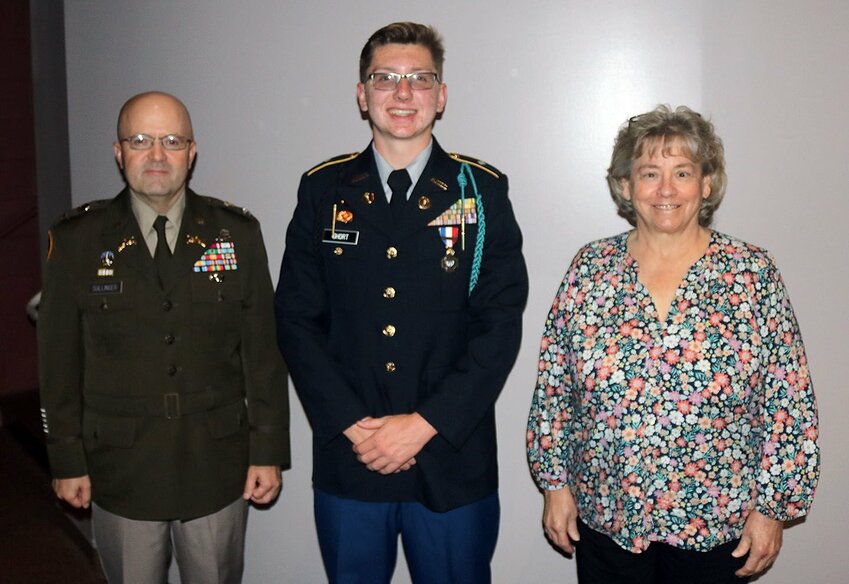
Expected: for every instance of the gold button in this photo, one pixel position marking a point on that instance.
(390, 367)
(389, 331)
(424, 203)
(337, 251)
(389, 292)
(391, 253)
(368, 198)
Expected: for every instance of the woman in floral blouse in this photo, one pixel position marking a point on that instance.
(673, 428)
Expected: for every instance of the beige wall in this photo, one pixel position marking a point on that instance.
(538, 89)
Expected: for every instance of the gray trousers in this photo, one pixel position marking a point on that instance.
(208, 550)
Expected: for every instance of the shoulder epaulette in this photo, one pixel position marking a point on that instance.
(476, 163)
(330, 162)
(83, 209)
(228, 206)
(74, 213)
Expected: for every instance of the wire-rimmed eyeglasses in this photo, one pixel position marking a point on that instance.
(169, 142)
(388, 81)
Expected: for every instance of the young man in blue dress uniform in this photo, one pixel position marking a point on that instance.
(399, 312)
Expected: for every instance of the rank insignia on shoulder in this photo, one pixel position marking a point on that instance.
(333, 161)
(227, 205)
(232, 207)
(83, 209)
(219, 257)
(479, 164)
(454, 215)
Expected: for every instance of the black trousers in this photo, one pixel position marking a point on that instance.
(601, 561)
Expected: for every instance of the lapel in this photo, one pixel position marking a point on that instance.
(361, 192)
(435, 192)
(121, 233)
(198, 230)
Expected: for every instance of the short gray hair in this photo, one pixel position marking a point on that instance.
(666, 128)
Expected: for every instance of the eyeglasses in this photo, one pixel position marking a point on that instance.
(169, 142)
(386, 81)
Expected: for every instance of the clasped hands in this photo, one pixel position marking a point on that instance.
(390, 444)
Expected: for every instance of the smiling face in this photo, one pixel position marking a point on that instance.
(403, 117)
(158, 176)
(666, 188)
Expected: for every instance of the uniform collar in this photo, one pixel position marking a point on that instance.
(415, 168)
(146, 215)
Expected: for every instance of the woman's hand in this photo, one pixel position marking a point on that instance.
(761, 540)
(560, 519)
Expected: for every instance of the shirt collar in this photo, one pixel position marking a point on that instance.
(415, 168)
(146, 215)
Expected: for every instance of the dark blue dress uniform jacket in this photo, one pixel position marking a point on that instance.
(163, 397)
(379, 327)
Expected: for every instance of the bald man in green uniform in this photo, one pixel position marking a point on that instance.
(164, 394)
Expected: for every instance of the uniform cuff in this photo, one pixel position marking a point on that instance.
(67, 459)
(269, 446)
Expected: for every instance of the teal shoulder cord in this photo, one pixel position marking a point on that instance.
(481, 218)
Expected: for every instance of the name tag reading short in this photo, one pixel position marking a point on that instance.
(106, 288)
(341, 236)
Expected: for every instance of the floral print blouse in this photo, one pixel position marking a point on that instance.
(673, 431)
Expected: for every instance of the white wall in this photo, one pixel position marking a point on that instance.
(538, 89)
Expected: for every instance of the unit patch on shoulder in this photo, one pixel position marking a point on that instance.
(49, 244)
(332, 161)
(476, 163)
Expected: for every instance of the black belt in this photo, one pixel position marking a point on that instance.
(167, 405)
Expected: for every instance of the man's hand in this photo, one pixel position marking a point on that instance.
(560, 519)
(761, 540)
(356, 435)
(263, 484)
(394, 443)
(75, 491)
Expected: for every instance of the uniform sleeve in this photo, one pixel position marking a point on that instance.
(549, 440)
(469, 390)
(790, 460)
(60, 361)
(266, 380)
(303, 315)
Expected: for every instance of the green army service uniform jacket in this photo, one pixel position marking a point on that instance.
(162, 396)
